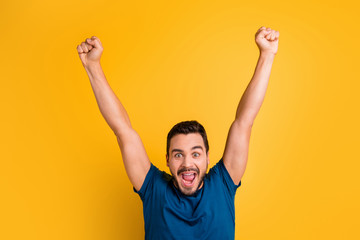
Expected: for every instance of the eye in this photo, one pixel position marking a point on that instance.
(178, 155)
(196, 154)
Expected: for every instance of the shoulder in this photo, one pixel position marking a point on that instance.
(155, 178)
(218, 168)
(155, 174)
(219, 173)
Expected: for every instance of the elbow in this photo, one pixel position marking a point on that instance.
(242, 122)
(121, 130)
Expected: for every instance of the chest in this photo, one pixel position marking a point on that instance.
(208, 215)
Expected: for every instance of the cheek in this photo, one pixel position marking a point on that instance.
(203, 164)
(173, 167)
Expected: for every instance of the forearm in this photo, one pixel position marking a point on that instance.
(110, 106)
(254, 94)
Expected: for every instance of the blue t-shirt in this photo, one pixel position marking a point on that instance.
(208, 214)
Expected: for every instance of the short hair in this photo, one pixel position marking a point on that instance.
(187, 127)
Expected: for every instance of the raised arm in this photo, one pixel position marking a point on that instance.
(237, 144)
(135, 159)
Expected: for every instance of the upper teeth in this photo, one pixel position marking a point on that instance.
(188, 173)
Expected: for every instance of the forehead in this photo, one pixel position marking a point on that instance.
(186, 141)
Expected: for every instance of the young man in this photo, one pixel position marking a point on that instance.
(188, 204)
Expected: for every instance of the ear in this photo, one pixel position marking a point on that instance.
(207, 158)
(167, 159)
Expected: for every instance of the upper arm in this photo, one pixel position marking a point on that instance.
(236, 150)
(135, 158)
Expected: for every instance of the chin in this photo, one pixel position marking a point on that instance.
(187, 191)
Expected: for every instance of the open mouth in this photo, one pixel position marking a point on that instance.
(188, 178)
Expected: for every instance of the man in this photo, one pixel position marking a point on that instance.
(188, 204)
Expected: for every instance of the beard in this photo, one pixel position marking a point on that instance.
(190, 192)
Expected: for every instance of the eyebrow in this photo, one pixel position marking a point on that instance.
(179, 150)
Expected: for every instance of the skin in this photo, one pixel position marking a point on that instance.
(135, 158)
(187, 154)
(237, 144)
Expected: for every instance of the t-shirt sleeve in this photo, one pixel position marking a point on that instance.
(221, 170)
(148, 183)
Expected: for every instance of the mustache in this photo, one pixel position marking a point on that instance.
(187, 169)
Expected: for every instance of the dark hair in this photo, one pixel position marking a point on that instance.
(187, 127)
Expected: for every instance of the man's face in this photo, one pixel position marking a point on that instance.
(187, 161)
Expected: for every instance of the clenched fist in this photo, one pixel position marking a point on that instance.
(267, 40)
(90, 51)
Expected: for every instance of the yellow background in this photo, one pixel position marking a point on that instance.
(61, 172)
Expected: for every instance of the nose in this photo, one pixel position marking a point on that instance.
(187, 162)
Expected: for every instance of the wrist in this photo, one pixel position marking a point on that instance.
(267, 54)
(93, 69)
(92, 65)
